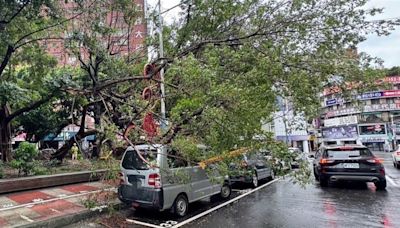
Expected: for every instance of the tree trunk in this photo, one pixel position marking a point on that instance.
(97, 123)
(5, 134)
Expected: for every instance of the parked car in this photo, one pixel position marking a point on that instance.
(298, 157)
(396, 159)
(251, 168)
(165, 182)
(348, 163)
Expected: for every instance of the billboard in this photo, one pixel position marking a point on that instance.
(342, 132)
(373, 129)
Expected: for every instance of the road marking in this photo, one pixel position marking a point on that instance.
(223, 205)
(53, 199)
(142, 223)
(391, 181)
(26, 218)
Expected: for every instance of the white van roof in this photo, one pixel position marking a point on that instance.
(145, 146)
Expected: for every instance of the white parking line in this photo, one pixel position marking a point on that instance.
(142, 223)
(223, 205)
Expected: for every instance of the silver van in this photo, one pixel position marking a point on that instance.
(165, 182)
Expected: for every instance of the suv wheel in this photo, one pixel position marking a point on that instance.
(380, 185)
(254, 181)
(323, 182)
(181, 206)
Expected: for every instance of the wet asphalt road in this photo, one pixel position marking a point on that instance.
(284, 204)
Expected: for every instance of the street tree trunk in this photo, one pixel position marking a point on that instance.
(5, 134)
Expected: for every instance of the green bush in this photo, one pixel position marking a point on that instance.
(39, 168)
(24, 158)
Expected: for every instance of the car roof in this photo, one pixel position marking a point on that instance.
(356, 146)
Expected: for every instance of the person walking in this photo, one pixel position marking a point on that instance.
(74, 152)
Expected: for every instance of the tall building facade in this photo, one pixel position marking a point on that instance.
(371, 118)
(289, 127)
(128, 38)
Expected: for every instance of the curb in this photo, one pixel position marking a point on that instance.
(65, 220)
(45, 181)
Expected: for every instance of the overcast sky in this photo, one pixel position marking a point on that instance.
(384, 47)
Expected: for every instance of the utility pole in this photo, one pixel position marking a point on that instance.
(161, 55)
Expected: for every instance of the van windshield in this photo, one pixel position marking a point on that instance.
(133, 161)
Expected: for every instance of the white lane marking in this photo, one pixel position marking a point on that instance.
(142, 223)
(26, 218)
(391, 181)
(53, 199)
(223, 205)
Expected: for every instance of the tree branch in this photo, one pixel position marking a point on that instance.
(173, 131)
(30, 107)
(7, 58)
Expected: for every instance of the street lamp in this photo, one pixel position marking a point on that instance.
(393, 127)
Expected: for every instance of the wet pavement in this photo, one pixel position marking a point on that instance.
(284, 204)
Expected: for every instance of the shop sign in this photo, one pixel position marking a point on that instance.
(370, 95)
(392, 79)
(391, 93)
(381, 107)
(331, 102)
(345, 120)
(346, 111)
(372, 139)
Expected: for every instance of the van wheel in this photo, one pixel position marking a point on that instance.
(254, 181)
(272, 174)
(225, 191)
(181, 205)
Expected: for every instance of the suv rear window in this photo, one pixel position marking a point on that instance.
(133, 161)
(348, 153)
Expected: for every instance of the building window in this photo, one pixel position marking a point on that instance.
(375, 101)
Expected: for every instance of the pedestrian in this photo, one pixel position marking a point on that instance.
(386, 147)
(74, 152)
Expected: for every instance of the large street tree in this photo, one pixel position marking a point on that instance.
(230, 60)
(24, 67)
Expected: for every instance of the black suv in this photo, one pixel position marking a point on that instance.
(348, 163)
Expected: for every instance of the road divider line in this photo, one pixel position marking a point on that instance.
(143, 223)
(53, 199)
(223, 204)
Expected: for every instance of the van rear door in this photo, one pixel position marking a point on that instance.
(142, 181)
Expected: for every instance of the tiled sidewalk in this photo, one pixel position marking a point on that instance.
(28, 207)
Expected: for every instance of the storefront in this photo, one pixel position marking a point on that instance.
(374, 136)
